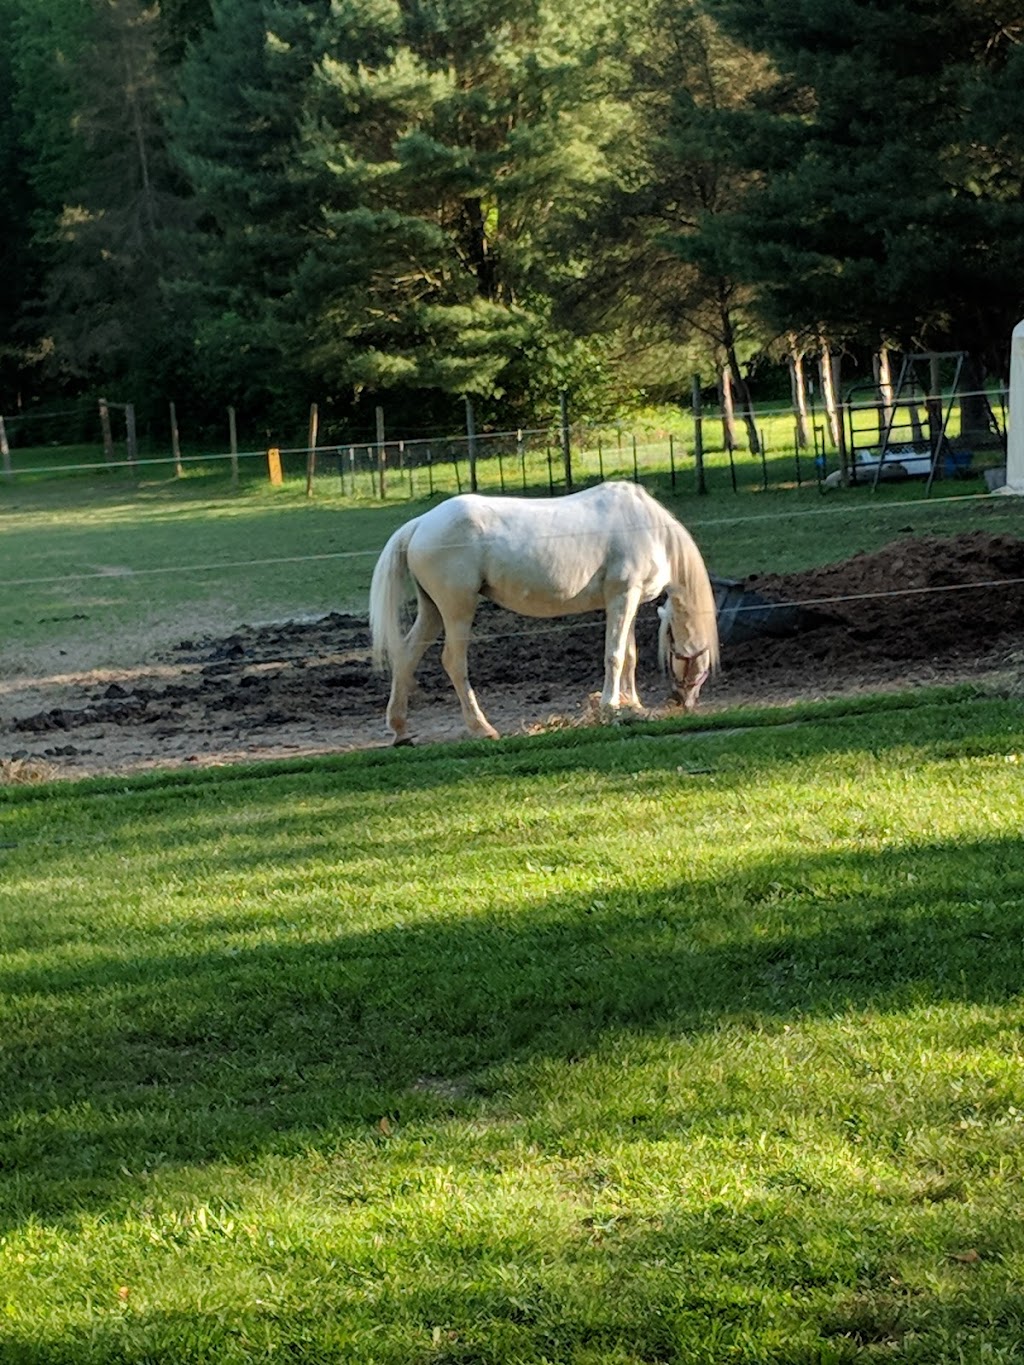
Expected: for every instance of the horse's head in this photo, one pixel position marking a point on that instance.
(686, 660)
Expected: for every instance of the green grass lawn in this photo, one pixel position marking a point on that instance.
(653, 1043)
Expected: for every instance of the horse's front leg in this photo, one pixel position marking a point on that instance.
(620, 649)
(454, 657)
(628, 689)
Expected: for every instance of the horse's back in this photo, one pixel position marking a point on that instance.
(600, 508)
(535, 556)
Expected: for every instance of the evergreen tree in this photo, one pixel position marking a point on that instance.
(887, 202)
(672, 305)
(243, 84)
(181, 23)
(18, 262)
(448, 137)
(105, 192)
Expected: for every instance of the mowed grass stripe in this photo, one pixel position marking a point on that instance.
(623, 1046)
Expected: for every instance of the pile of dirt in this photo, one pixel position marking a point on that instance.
(954, 603)
(924, 609)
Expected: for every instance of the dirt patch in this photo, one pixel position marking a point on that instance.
(922, 610)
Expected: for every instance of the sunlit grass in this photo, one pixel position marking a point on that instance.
(611, 1046)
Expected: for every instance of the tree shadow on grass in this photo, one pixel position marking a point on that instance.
(218, 1056)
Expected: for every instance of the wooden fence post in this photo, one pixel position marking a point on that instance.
(314, 431)
(5, 450)
(233, 438)
(108, 437)
(130, 437)
(381, 454)
(175, 442)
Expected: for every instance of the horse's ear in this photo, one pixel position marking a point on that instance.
(663, 611)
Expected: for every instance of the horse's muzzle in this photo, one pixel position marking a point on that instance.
(688, 691)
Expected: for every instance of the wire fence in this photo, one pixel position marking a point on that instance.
(702, 451)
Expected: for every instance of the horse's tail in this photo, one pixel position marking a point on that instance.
(698, 600)
(389, 591)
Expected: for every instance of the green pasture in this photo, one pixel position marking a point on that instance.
(108, 568)
(697, 1042)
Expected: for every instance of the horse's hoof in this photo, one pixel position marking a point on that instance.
(402, 742)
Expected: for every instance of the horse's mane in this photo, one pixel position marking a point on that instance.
(695, 624)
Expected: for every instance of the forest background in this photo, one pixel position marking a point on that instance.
(267, 203)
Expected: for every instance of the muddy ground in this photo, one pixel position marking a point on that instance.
(923, 610)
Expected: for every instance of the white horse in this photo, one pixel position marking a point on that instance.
(610, 547)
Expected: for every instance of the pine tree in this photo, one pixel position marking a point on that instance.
(654, 281)
(19, 265)
(243, 83)
(105, 192)
(450, 136)
(887, 204)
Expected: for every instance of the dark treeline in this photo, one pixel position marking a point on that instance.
(269, 202)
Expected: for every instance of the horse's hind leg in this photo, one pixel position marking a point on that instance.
(421, 635)
(454, 656)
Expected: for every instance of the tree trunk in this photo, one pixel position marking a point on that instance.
(747, 406)
(726, 407)
(737, 384)
(974, 405)
(828, 371)
(883, 381)
(798, 389)
(481, 258)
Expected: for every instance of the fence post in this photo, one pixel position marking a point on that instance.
(313, 433)
(175, 442)
(636, 467)
(274, 466)
(698, 433)
(5, 450)
(471, 441)
(563, 421)
(108, 437)
(381, 455)
(521, 452)
(672, 459)
(130, 437)
(233, 438)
